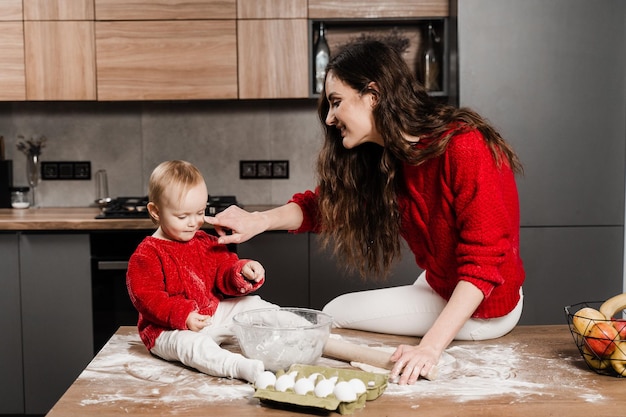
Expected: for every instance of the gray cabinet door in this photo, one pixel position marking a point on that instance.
(56, 315)
(329, 279)
(551, 76)
(11, 378)
(285, 257)
(566, 266)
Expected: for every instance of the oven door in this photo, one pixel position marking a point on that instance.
(110, 252)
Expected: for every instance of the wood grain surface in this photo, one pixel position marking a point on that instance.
(542, 375)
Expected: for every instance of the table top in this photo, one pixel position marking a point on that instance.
(533, 371)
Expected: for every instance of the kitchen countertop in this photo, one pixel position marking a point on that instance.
(533, 371)
(74, 218)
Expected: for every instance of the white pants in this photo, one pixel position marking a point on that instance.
(410, 310)
(201, 350)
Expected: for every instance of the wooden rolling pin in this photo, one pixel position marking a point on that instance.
(349, 352)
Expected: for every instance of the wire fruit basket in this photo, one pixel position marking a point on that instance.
(600, 341)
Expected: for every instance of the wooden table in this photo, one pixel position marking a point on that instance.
(534, 371)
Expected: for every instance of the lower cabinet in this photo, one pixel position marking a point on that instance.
(328, 278)
(11, 377)
(285, 257)
(49, 295)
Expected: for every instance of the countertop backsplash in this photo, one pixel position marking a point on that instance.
(129, 139)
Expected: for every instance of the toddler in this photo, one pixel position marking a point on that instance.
(187, 287)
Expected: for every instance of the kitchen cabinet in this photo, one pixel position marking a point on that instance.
(56, 314)
(58, 9)
(166, 49)
(414, 31)
(45, 318)
(273, 58)
(12, 72)
(60, 60)
(165, 9)
(12, 75)
(558, 97)
(272, 47)
(271, 9)
(166, 60)
(11, 377)
(328, 278)
(330, 9)
(285, 257)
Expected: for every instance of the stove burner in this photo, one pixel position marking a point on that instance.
(136, 207)
(125, 207)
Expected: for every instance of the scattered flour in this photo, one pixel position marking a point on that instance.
(479, 371)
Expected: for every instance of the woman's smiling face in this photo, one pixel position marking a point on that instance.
(351, 113)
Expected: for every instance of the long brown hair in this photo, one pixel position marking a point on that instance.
(357, 187)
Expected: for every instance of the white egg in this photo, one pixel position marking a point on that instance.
(324, 388)
(284, 382)
(303, 386)
(264, 380)
(357, 385)
(313, 376)
(344, 392)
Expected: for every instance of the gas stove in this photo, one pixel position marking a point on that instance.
(136, 207)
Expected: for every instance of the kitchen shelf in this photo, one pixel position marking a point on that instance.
(340, 31)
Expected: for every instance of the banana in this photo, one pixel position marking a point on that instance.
(613, 305)
(618, 358)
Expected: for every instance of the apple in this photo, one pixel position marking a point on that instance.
(620, 326)
(601, 339)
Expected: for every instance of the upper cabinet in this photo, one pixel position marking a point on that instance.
(58, 9)
(60, 60)
(364, 9)
(272, 9)
(59, 51)
(166, 60)
(12, 77)
(189, 49)
(166, 49)
(164, 9)
(272, 44)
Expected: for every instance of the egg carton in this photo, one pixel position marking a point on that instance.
(375, 386)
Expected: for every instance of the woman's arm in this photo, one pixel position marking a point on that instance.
(413, 361)
(245, 225)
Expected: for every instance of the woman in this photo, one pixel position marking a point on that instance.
(395, 162)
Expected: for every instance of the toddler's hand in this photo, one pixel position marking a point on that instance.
(253, 271)
(196, 322)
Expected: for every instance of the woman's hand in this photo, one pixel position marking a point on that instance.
(413, 362)
(196, 321)
(244, 225)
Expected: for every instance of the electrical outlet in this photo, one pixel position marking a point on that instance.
(66, 170)
(263, 170)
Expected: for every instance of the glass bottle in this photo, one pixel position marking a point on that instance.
(430, 61)
(322, 55)
(33, 168)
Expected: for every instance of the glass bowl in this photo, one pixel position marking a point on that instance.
(281, 337)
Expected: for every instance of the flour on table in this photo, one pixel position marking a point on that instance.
(477, 371)
(154, 380)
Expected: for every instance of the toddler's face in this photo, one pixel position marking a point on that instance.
(181, 215)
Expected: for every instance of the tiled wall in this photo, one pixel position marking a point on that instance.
(129, 139)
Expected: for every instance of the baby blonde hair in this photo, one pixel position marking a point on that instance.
(180, 174)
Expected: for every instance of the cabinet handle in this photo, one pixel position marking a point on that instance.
(112, 265)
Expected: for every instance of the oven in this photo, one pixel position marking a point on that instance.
(110, 252)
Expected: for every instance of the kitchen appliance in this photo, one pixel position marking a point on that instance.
(136, 207)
